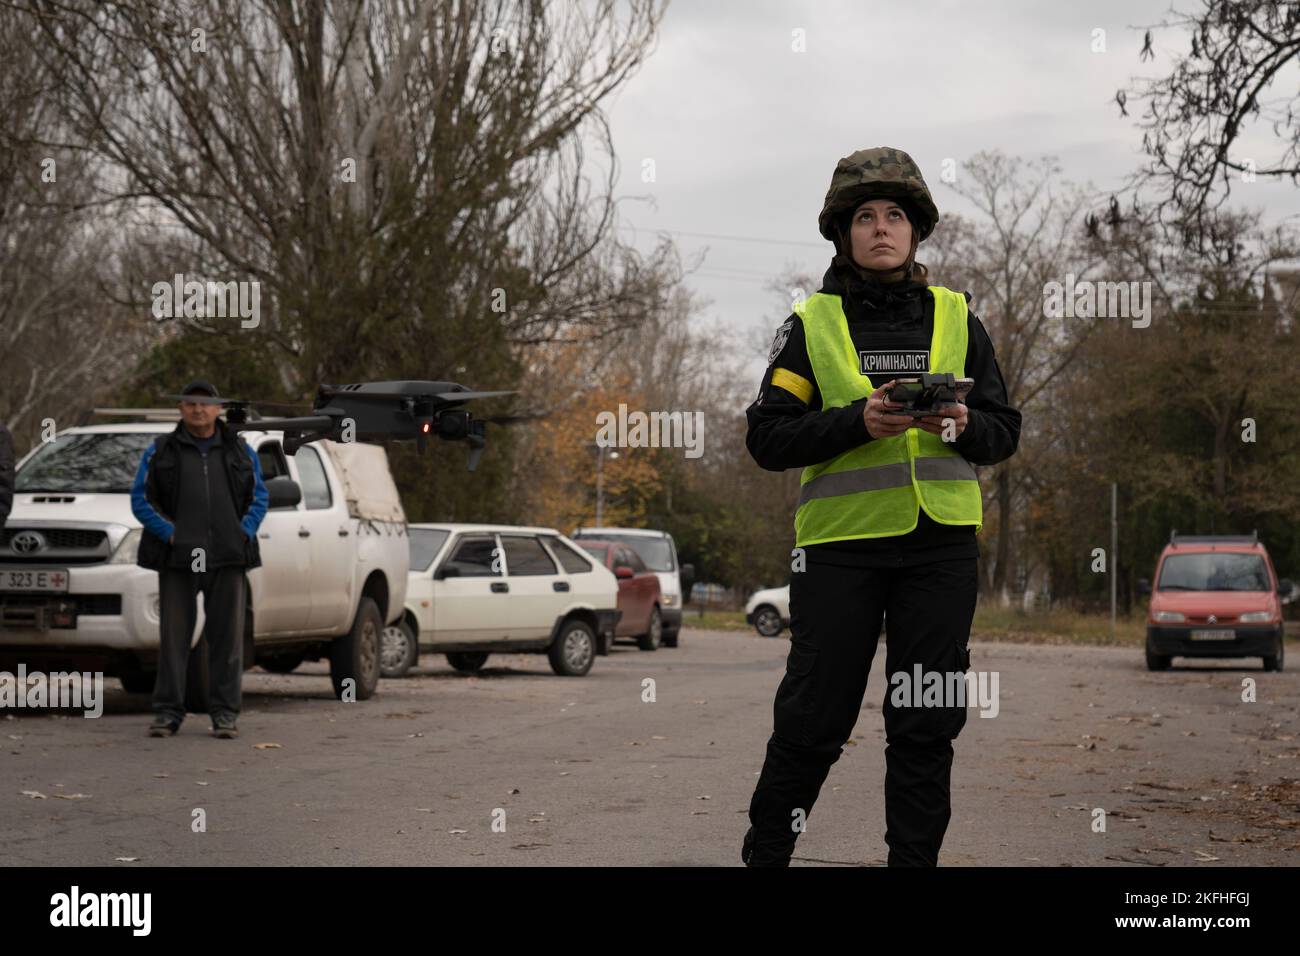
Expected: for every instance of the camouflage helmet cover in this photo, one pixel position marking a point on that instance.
(882, 171)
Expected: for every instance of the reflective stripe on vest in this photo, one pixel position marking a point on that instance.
(876, 489)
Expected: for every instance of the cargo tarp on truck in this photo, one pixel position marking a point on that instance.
(367, 482)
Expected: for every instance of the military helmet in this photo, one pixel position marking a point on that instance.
(879, 172)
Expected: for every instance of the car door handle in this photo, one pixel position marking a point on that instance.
(304, 533)
(343, 532)
(560, 585)
(500, 587)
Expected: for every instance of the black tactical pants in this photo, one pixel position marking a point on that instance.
(224, 596)
(836, 614)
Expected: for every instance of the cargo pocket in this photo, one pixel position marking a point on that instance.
(794, 698)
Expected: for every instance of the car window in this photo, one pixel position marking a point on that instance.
(657, 553)
(525, 555)
(1213, 571)
(570, 560)
(316, 494)
(634, 561)
(474, 557)
(425, 544)
(270, 456)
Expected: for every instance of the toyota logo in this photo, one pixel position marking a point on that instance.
(27, 542)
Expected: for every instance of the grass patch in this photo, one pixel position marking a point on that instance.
(716, 620)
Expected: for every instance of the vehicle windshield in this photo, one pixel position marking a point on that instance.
(1213, 571)
(657, 553)
(86, 463)
(425, 544)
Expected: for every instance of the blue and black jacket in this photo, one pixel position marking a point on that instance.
(213, 500)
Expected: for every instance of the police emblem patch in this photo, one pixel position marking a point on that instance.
(782, 336)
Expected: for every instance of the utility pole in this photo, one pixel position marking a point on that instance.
(1114, 549)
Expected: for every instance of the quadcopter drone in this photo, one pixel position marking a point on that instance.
(375, 411)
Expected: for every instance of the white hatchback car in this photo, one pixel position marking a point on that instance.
(769, 610)
(475, 589)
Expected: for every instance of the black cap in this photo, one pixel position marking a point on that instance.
(200, 387)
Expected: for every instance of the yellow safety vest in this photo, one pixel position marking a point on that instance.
(876, 489)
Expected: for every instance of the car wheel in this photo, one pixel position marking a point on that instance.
(355, 655)
(651, 639)
(399, 649)
(1275, 662)
(1157, 662)
(573, 650)
(284, 663)
(467, 662)
(767, 621)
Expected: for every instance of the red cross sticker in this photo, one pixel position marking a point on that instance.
(57, 579)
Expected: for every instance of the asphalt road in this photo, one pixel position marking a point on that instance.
(585, 772)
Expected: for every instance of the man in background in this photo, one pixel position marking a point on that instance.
(199, 494)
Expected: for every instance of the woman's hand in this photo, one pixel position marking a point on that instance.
(934, 424)
(881, 424)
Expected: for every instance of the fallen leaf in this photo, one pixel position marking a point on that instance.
(34, 794)
(72, 796)
(125, 859)
(266, 747)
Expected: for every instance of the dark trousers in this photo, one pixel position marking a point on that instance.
(835, 620)
(223, 608)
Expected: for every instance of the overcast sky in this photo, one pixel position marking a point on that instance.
(744, 132)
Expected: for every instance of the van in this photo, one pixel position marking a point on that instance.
(1215, 596)
(658, 550)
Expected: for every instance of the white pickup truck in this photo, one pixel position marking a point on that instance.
(334, 547)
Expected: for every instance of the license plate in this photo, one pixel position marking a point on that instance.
(41, 580)
(1213, 635)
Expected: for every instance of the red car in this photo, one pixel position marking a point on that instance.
(638, 591)
(1215, 596)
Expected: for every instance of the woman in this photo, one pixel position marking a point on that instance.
(889, 507)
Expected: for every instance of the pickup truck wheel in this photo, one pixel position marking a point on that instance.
(356, 654)
(399, 649)
(573, 650)
(196, 678)
(467, 662)
(1157, 662)
(651, 639)
(1275, 662)
(285, 663)
(767, 621)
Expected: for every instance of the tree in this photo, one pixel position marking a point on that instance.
(1212, 99)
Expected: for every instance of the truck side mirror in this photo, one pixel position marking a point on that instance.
(1285, 586)
(1143, 586)
(446, 571)
(623, 571)
(283, 492)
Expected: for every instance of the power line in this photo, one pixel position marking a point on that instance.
(714, 235)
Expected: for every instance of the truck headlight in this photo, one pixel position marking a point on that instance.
(669, 599)
(126, 551)
(1169, 617)
(1256, 617)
